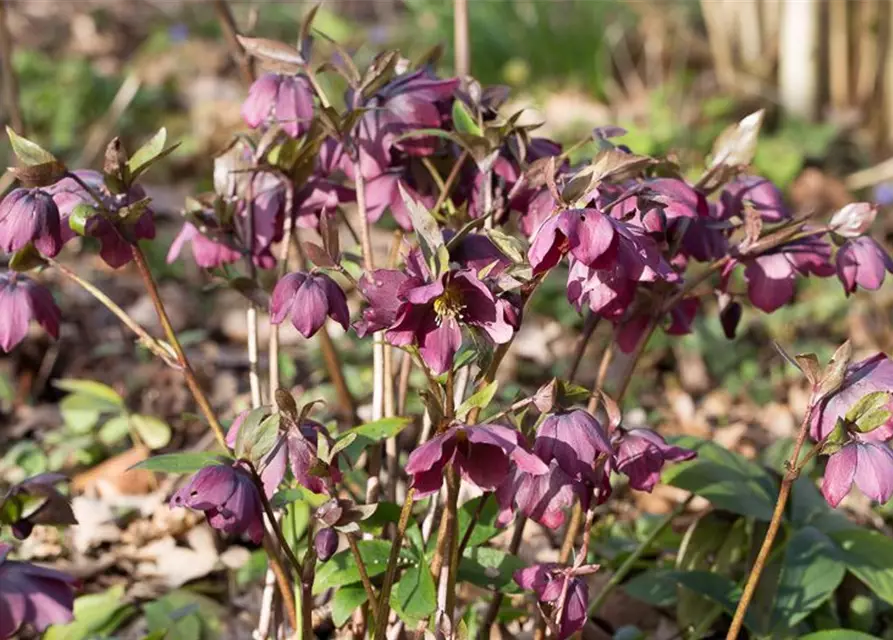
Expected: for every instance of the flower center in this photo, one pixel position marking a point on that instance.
(449, 303)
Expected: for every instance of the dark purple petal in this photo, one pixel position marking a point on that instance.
(485, 466)
(379, 288)
(770, 282)
(575, 612)
(208, 488)
(575, 439)
(428, 461)
(438, 344)
(535, 577)
(642, 453)
(863, 262)
(30, 215)
(325, 543)
(284, 294)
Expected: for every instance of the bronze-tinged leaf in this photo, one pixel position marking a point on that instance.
(737, 144)
(40, 175)
(379, 72)
(331, 241)
(115, 162)
(617, 165)
(317, 255)
(272, 50)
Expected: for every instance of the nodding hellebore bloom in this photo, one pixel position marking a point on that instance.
(416, 310)
(872, 375)
(295, 448)
(484, 455)
(642, 453)
(32, 595)
(579, 455)
(21, 301)
(862, 262)
(308, 298)
(550, 582)
(228, 496)
(285, 100)
(30, 216)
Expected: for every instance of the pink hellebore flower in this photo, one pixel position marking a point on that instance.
(287, 100)
(308, 298)
(865, 460)
(771, 277)
(550, 582)
(756, 192)
(207, 252)
(431, 316)
(295, 448)
(484, 455)
(32, 595)
(23, 300)
(862, 261)
(642, 453)
(229, 498)
(871, 375)
(30, 216)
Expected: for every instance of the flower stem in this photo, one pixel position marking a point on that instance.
(367, 583)
(195, 388)
(384, 602)
(630, 563)
(159, 348)
(753, 579)
(452, 508)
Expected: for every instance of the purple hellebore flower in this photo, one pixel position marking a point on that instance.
(543, 498)
(409, 102)
(326, 543)
(308, 298)
(549, 582)
(588, 234)
(229, 498)
(759, 193)
(866, 460)
(431, 314)
(380, 289)
(32, 595)
(207, 253)
(868, 376)
(23, 300)
(30, 216)
(288, 100)
(318, 197)
(577, 441)
(642, 453)
(862, 261)
(476, 251)
(383, 193)
(771, 277)
(295, 448)
(114, 248)
(484, 455)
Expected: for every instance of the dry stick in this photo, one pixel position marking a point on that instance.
(231, 33)
(99, 133)
(451, 514)
(195, 388)
(460, 39)
(589, 326)
(10, 83)
(374, 464)
(288, 597)
(787, 483)
(251, 311)
(160, 349)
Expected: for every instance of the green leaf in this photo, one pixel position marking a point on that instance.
(295, 521)
(29, 153)
(486, 525)
(341, 569)
(346, 600)
(148, 154)
(285, 497)
(103, 394)
(656, 587)
(95, 615)
(463, 121)
(79, 216)
(79, 413)
(378, 430)
(490, 568)
(257, 434)
(810, 574)
(182, 462)
(154, 432)
(415, 596)
(429, 234)
(510, 246)
(726, 479)
(869, 556)
(717, 588)
(869, 403)
(478, 400)
(114, 430)
(184, 615)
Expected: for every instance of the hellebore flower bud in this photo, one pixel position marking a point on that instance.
(326, 543)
